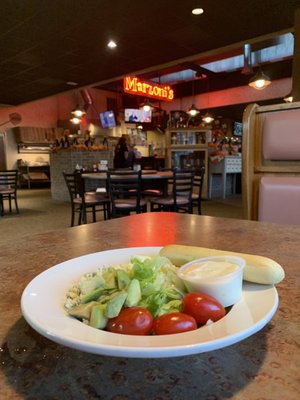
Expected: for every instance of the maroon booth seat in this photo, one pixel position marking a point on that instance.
(279, 199)
(281, 136)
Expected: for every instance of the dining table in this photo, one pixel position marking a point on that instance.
(149, 174)
(262, 366)
(151, 179)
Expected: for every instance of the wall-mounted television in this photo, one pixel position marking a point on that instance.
(135, 115)
(107, 119)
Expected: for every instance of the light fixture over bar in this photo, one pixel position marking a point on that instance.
(207, 118)
(78, 112)
(146, 106)
(75, 120)
(260, 80)
(193, 111)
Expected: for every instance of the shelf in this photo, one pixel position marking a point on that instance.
(34, 148)
(29, 174)
(191, 151)
(188, 130)
(187, 146)
(187, 137)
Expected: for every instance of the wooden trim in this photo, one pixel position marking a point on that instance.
(278, 107)
(282, 168)
(247, 158)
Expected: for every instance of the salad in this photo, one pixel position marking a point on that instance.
(144, 296)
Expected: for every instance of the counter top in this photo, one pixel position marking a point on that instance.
(264, 366)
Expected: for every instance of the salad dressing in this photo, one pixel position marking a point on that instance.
(218, 276)
(209, 269)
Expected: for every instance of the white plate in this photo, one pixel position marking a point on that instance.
(42, 306)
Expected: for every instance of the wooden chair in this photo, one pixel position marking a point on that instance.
(198, 186)
(180, 198)
(8, 189)
(82, 202)
(155, 189)
(125, 192)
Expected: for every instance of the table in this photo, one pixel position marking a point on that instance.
(151, 179)
(34, 174)
(228, 165)
(264, 366)
(146, 175)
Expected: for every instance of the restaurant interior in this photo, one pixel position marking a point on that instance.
(209, 72)
(205, 96)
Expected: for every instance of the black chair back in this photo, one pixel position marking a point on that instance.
(9, 179)
(8, 188)
(198, 185)
(183, 184)
(125, 187)
(75, 185)
(82, 202)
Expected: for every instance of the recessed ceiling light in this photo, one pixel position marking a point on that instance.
(72, 83)
(197, 11)
(111, 44)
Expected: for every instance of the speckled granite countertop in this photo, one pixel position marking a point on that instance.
(264, 366)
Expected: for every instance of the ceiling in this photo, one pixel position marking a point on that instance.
(46, 44)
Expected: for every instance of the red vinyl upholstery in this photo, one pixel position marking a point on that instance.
(281, 136)
(279, 199)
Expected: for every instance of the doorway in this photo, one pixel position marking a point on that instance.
(3, 165)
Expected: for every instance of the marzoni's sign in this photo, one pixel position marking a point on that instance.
(134, 85)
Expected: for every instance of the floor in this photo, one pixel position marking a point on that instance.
(39, 213)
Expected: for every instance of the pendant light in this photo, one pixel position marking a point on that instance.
(193, 111)
(77, 115)
(207, 118)
(78, 112)
(75, 120)
(146, 106)
(259, 81)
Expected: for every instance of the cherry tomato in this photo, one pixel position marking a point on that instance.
(132, 321)
(202, 307)
(175, 322)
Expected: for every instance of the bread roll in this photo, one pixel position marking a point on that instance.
(258, 269)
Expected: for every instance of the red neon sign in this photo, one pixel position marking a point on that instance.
(135, 86)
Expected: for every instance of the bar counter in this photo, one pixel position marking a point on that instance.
(264, 366)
